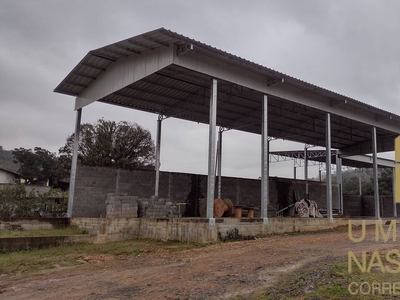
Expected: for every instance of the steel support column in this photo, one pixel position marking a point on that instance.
(306, 171)
(339, 180)
(264, 163)
(211, 153)
(375, 171)
(219, 161)
(158, 151)
(328, 168)
(71, 192)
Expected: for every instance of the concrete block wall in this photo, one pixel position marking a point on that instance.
(91, 189)
(357, 205)
(352, 205)
(386, 206)
(140, 183)
(195, 229)
(121, 205)
(242, 191)
(93, 184)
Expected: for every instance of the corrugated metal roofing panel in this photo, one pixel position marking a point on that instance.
(184, 93)
(162, 38)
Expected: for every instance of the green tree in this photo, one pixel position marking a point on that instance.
(386, 182)
(16, 202)
(107, 143)
(351, 185)
(39, 165)
(351, 182)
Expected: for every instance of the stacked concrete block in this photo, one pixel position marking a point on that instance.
(143, 206)
(162, 210)
(121, 205)
(157, 208)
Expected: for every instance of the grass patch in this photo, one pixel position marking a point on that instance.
(28, 262)
(327, 279)
(70, 230)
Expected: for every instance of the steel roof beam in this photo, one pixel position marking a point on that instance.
(384, 144)
(127, 49)
(136, 43)
(154, 40)
(235, 74)
(136, 99)
(102, 56)
(83, 75)
(93, 67)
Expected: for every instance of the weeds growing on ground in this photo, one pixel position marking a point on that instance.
(34, 261)
(70, 230)
(326, 279)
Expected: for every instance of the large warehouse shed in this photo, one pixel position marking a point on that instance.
(175, 76)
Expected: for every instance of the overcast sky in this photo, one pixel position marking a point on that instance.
(350, 47)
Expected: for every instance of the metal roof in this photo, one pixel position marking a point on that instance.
(356, 161)
(9, 171)
(181, 89)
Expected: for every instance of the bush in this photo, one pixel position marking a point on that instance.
(15, 202)
(234, 235)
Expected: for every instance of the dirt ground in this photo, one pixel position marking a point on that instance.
(219, 271)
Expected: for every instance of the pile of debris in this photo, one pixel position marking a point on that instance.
(302, 208)
(307, 208)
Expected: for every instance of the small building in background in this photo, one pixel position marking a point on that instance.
(8, 176)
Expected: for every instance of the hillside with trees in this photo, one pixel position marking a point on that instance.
(7, 160)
